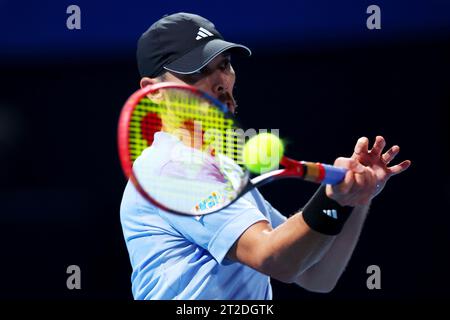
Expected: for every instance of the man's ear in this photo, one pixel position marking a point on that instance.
(146, 81)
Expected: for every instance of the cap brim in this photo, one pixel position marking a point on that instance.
(200, 56)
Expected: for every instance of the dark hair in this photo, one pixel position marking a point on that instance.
(162, 77)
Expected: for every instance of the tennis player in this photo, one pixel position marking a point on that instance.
(231, 254)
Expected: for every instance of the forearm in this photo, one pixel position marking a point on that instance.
(323, 276)
(302, 241)
(292, 248)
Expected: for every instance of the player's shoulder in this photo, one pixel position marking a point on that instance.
(157, 155)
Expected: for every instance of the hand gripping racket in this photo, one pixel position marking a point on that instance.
(182, 150)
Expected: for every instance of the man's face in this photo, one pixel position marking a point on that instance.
(217, 79)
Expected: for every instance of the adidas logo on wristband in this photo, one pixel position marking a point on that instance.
(318, 218)
(331, 213)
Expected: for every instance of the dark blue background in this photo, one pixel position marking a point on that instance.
(317, 73)
(39, 28)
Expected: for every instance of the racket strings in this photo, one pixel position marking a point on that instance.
(188, 117)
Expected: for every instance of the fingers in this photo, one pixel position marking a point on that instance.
(399, 168)
(347, 183)
(389, 155)
(359, 195)
(355, 189)
(366, 184)
(356, 167)
(350, 164)
(361, 147)
(378, 146)
(340, 192)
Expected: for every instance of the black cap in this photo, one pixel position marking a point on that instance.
(182, 43)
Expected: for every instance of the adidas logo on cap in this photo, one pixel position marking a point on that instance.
(203, 33)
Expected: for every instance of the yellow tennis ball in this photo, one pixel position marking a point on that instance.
(262, 153)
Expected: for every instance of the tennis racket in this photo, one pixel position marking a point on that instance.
(182, 150)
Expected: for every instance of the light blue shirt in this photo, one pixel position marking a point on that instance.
(184, 257)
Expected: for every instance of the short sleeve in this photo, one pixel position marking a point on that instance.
(216, 232)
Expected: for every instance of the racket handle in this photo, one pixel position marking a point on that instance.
(333, 175)
(309, 171)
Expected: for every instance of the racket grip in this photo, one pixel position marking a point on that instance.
(333, 175)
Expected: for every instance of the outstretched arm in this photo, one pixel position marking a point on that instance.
(293, 247)
(290, 250)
